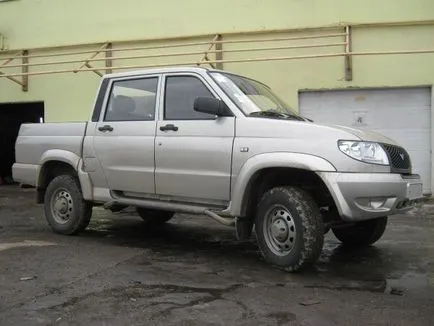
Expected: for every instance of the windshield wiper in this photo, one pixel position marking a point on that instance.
(275, 114)
(267, 113)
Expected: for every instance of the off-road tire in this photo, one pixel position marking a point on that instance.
(154, 217)
(81, 211)
(305, 219)
(361, 234)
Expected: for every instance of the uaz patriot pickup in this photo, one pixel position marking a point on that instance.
(209, 142)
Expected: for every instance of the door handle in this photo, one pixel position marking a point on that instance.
(105, 128)
(169, 127)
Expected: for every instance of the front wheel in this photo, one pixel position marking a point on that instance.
(289, 228)
(362, 233)
(65, 209)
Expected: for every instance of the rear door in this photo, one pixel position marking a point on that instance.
(125, 133)
(193, 150)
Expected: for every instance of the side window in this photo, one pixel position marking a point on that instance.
(132, 100)
(180, 94)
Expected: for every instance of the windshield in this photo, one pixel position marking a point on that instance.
(253, 98)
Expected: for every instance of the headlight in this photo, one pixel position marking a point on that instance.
(364, 151)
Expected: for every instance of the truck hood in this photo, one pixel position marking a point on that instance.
(364, 134)
(276, 128)
(262, 135)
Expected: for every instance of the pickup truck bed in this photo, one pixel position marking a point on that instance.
(38, 141)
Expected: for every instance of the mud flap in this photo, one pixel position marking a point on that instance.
(243, 228)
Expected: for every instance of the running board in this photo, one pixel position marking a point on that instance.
(174, 207)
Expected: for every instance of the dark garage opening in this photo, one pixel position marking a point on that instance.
(12, 115)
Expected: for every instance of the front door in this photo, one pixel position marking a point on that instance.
(124, 137)
(193, 150)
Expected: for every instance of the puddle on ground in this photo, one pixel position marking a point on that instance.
(373, 269)
(25, 243)
(410, 283)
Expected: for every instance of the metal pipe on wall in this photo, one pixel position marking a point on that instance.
(93, 59)
(328, 55)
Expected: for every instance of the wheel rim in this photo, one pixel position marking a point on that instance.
(279, 230)
(62, 206)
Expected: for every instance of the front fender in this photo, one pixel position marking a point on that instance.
(271, 160)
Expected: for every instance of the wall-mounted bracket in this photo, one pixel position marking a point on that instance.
(86, 63)
(24, 83)
(348, 54)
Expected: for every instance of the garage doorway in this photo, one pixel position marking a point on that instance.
(12, 115)
(403, 114)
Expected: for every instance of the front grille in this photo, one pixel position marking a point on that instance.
(398, 157)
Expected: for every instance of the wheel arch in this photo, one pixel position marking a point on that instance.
(48, 171)
(264, 171)
(56, 162)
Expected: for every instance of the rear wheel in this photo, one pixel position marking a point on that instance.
(362, 233)
(289, 228)
(65, 209)
(154, 217)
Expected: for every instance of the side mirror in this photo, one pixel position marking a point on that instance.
(211, 105)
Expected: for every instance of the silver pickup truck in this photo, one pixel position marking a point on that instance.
(209, 142)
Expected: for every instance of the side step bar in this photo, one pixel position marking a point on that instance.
(174, 207)
(223, 220)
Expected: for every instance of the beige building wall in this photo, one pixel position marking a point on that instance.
(33, 24)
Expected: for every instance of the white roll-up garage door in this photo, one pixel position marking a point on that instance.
(403, 114)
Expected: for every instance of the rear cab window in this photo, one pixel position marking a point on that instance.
(132, 100)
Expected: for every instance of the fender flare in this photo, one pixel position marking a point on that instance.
(74, 161)
(259, 162)
(61, 156)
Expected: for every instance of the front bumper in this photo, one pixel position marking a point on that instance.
(362, 196)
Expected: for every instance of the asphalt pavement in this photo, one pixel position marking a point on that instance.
(192, 271)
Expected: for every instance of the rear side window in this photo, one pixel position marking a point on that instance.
(180, 94)
(99, 100)
(132, 100)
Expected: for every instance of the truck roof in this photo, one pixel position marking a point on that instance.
(158, 71)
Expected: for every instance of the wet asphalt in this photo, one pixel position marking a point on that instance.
(192, 271)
